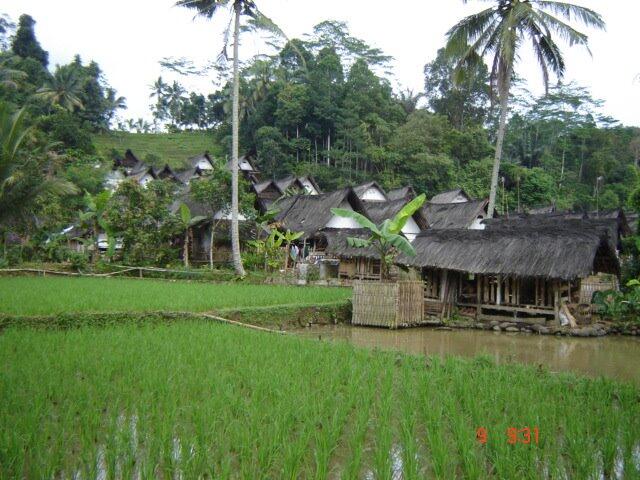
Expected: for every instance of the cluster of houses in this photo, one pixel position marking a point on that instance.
(524, 265)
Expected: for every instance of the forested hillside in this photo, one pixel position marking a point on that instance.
(323, 106)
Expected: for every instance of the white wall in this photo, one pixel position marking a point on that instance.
(373, 194)
(477, 224)
(245, 165)
(204, 165)
(226, 215)
(411, 229)
(341, 222)
(460, 199)
(308, 186)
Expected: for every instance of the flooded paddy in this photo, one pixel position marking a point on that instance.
(611, 356)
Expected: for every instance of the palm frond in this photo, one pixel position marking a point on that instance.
(584, 15)
(564, 31)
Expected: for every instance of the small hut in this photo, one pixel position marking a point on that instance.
(513, 273)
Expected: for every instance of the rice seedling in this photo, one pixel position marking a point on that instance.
(47, 296)
(195, 399)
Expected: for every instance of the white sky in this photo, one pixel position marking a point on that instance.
(128, 38)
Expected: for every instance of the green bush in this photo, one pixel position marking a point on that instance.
(620, 305)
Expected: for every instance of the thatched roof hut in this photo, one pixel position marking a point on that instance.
(454, 215)
(564, 253)
(452, 196)
(310, 213)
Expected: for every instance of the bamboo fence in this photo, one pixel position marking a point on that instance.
(390, 305)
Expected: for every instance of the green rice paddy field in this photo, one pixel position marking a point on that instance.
(216, 401)
(55, 295)
(195, 399)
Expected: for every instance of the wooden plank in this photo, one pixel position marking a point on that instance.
(519, 309)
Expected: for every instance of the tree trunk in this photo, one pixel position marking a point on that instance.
(185, 249)
(213, 230)
(235, 231)
(504, 104)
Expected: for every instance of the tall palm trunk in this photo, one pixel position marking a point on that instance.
(185, 248)
(504, 106)
(235, 232)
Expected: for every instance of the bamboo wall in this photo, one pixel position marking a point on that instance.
(389, 305)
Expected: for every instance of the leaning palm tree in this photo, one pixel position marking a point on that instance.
(500, 31)
(63, 89)
(207, 9)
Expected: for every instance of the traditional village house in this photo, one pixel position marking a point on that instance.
(524, 273)
(214, 223)
(327, 234)
(311, 214)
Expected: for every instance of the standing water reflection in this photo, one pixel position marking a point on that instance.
(614, 357)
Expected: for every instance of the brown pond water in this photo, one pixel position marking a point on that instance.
(611, 356)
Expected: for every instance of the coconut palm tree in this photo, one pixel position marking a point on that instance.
(500, 32)
(207, 9)
(63, 89)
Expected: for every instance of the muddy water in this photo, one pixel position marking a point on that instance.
(614, 357)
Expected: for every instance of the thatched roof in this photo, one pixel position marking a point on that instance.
(449, 196)
(310, 213)
(616, 226)
(130, 161)
(554, 253)
(335, 241)
(453, 215)
(378, 212)
(407, 193)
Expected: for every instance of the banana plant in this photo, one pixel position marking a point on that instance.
(386, 238)
(270, 247)
(288, 238)
(188, 221)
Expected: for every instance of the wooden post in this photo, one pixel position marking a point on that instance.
(443, 285)
(499, 290)
(478, 295)
(556, 301)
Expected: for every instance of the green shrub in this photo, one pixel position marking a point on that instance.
(620, 305)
